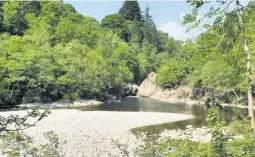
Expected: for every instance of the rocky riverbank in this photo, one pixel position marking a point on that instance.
(203, 134)
(181, 94)
(97, 133)
(193, 134)
(150, 89)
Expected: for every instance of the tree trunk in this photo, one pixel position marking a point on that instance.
(249, 76)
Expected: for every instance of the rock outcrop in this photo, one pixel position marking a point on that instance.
(149, 88)
(130, 89)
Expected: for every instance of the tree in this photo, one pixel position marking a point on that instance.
(147, 17)
(130, 10)
(15, 13)
(173, 47)
(160, 39)
(1, 17)
(15, 143)
(170, 73)
(249, 75)
(149, 26)
(113, 21)
(221, 14)
(116, 23)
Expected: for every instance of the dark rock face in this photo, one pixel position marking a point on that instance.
(112, 98)
(126, 89)
(130, 89)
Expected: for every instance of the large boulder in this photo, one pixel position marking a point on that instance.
(148, 86)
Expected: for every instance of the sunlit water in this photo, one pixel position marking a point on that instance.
(151, 105)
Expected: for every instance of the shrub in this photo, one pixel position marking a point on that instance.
(14, 143)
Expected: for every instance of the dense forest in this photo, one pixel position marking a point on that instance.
(48, 52)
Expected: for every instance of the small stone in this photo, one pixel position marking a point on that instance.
(189, 126)
(171, 149)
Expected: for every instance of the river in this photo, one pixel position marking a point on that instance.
(150, 105)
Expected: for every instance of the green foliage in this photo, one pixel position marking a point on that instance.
(2, 27)
(219, 139)
(148, 20)
(176, 148)
(60, 55)
(113, 21)
(21, 122)
(48, 52)
(239, 127)
(241, 147)
(170, 73)
(216, 74)
(184, 148)
(15, 143)
(222, 142)
(18, 144)
(130, 10)
(14, 15)
(219, 57)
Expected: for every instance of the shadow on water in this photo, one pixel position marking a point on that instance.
(149, 105)
(142, 104)
(135, 104)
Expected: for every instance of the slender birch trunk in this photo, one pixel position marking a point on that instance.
(247, 51)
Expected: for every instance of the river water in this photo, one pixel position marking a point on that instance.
(136, 104)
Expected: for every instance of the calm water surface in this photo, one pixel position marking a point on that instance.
(151, 105)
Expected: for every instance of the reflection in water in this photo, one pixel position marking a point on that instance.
(143, 104)
(150, 105)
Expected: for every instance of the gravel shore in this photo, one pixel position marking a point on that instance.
(80, 103)
(97, 133)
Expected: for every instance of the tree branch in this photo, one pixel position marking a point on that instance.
(210, 31)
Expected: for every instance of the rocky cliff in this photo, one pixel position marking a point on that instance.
(149, 88)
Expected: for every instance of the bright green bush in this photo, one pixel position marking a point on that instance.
(170, 73)
(221, 145)
(184, 148)
(239, 127)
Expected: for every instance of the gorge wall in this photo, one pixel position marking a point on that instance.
(149, 88)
